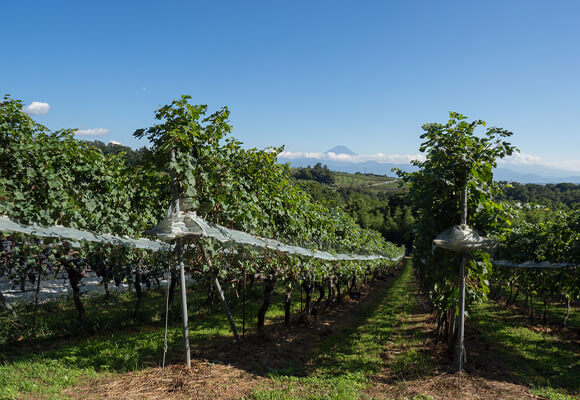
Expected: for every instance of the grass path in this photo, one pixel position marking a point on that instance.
(344, 363)
(355, 351)
(390, 353)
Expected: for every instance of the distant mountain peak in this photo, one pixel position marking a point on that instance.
(341, 149)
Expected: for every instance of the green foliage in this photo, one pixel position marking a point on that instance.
(561, 195)
(130, 157)
(248, 190)
(186, 148)
(52, 178)
(387, 212)
(456, 158)
(542, 235)
(319, 173)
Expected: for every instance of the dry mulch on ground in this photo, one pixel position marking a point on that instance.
(484, 378)
(451, 386)
(203, 381)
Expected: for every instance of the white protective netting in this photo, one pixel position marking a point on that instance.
(462, 239)
(62, 232)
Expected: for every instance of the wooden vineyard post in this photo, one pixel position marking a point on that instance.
(461, 325)
(175, 188)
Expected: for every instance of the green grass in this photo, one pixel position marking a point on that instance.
(342, 365)
(555, 310)
(551, 394)
(39, 376)
(113, 339)
(59, 319)
(312, 388)
(535, 359)
(368, 181)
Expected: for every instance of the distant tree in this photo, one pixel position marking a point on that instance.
(319, 173)
(131, 157)
(408, 226)
(387, 212)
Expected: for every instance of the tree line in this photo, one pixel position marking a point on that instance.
(560, 195)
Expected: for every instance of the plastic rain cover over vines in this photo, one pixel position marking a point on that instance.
(462, 239)
(177, 225)
(187, 224)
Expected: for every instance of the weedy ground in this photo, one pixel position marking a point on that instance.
(381, 347)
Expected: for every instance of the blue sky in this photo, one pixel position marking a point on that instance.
(309, 74)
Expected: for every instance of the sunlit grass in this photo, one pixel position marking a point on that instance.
(551, 394)
(112, 340)
(535, 358)
(340, 367)
(344, 362)
(40, 376)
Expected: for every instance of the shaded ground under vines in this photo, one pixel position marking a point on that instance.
(382, 346)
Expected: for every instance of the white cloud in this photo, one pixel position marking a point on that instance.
(37, 108)
(92, 131)
(347, 158)
(524, 159)
(517, 159)
(521, 159)
(115, 142)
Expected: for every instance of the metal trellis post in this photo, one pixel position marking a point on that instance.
(461, 325)
(179, 249)
(222, 297)
(175, 188)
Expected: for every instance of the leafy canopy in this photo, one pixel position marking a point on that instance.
(456, 157)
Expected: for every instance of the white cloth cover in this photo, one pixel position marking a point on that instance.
(461, 239)
(62, 232)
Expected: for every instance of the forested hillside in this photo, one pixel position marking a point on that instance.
(374, 201)
(561, 195)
